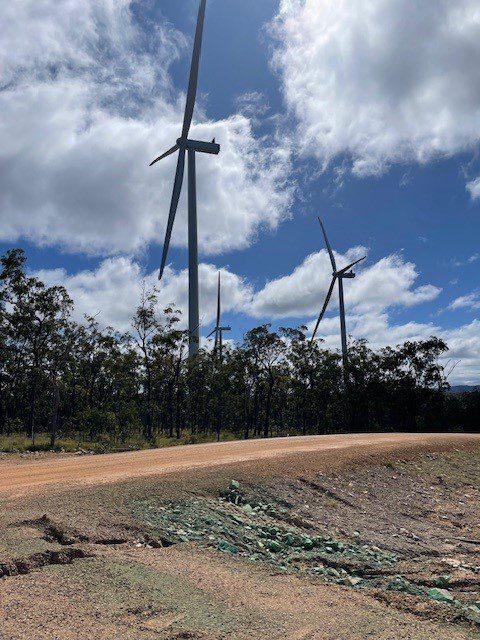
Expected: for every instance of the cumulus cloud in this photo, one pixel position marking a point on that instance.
(381, 81)
(380, 331)
(387, 283)
(377, 291)
(86, 104)
(470, 301)
(114, 290)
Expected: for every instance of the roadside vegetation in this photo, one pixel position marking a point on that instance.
(80, 386)
(104, 443)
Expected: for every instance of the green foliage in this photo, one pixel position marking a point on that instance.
(93, 388)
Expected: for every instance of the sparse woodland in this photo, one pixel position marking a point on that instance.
(93, 384)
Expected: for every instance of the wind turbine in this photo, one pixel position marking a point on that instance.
(184, 145)
(339, 276)
(218, 331)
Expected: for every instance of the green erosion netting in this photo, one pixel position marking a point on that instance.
(264, 533)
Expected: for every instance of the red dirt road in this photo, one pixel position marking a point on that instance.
(21, 476)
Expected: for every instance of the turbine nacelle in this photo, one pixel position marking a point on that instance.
(190, 145)
(346, 271)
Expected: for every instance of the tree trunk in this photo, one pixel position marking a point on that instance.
(148, 429)
(3, 412)
(56, 404)
(31, 415)
(268, 404)
(177, 416)
(247, 418)
(170, 409)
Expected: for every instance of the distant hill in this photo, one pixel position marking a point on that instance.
(462, 388)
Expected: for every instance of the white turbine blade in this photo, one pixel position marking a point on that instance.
(324, 308)
(165, 155)
(177, 188)
(329, 248)
(193, 81)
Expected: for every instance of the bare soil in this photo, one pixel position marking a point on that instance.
(25, 475)
(80, 560)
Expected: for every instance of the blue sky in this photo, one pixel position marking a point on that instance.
(315, 115)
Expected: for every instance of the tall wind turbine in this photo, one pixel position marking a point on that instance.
(219, 330)
(337, 276)
(184, 145)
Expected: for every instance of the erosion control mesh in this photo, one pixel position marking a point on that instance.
(238, 525)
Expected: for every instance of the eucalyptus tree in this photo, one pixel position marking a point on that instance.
(145, 326)
(171, 345)
(266, 349)
(37, 316)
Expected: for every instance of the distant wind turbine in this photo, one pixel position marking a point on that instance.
(219, 330)
(183, 145)
(337, 276)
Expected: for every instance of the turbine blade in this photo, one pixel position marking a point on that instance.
(165, 155)
(193, 81)
(177, 188)
(324, 308)
(353, 264)
(219, 310)
(329, 248)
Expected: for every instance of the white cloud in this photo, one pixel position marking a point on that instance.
(114, 290)
(377, 290)
(464, 343)
(473, 188)
(382, 81)
(86, 104)
(252, 104)
(470, 301)
(380, 331)
(387, 283)
(464, 263)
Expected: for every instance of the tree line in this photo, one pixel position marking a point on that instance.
(80, 380)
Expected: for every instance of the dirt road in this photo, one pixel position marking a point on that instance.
(24, 476)
(168, 556)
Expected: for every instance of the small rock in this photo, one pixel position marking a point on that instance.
(452, 562)
(227, 547)
(473, 613)
(443, 581)
(273, 545)
(289, 539)
(307, 544)
(440, 595)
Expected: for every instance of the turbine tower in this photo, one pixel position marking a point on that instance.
(184, 145)
(218, 331)
(339, 276)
